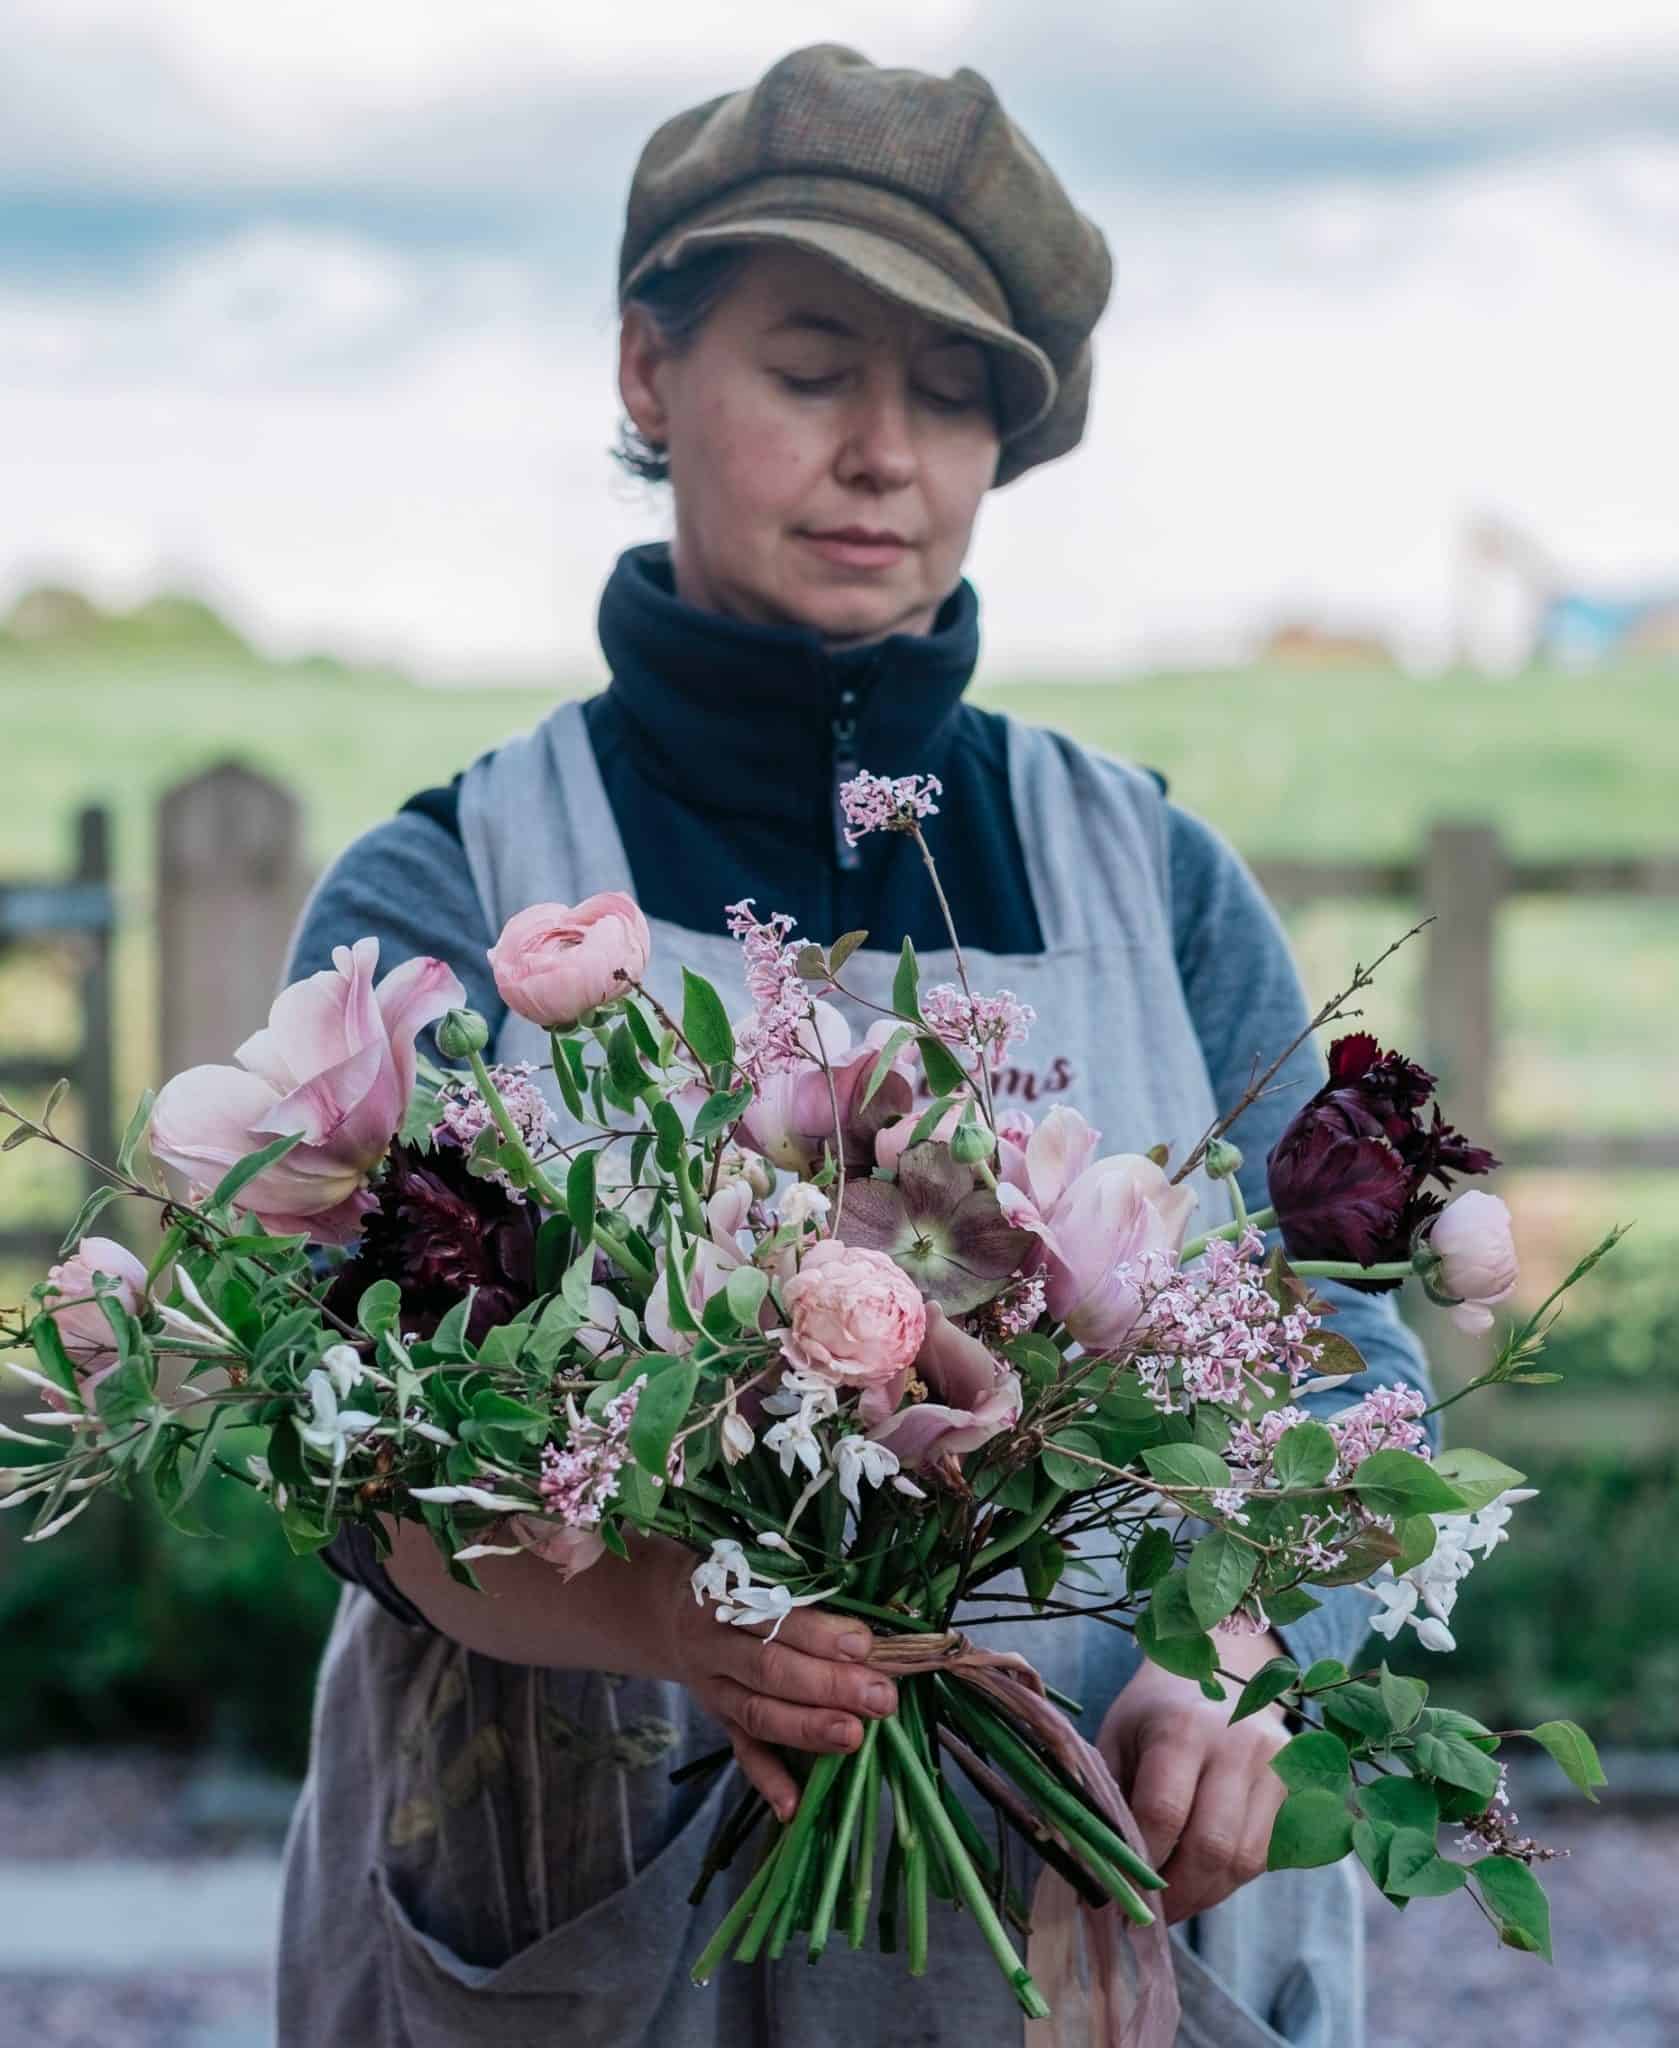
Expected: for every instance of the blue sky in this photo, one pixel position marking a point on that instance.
(313, 307)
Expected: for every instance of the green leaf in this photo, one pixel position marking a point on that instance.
(1305, 1455)
(1371, 1843)
(1572, 1747)
(1312, 1827)
(1035, 1358)
(1071, 1473)
(1516, 1900)
(1327, 1671)
(1293, 1603)
(623, 1061)
(906, 985)
(660, 1410)
(1314, 1758)
(1360, 1708)
(1268, 1683)
(670, 1136)
(1399, 1483)
(571, 1090)
(1042, 1561)
(930, 1119)
(1188, 1656)
(943, 1070)
(1401, 1802)
(1417, 1870)
(580, 1196)
(92, 1205)
(1187, 1465)
(1417, 1538)
(635, 1020)
(745, 1289)
(883, 1061)
(705, 1022)
(225, 1417)
(52, 1357)
(676, 1283)
(1456, 1759)
(247, 1169)
(379, 1307)
(1221, 1569)
(1403, 1698)
(1171, 1610)
(1478, 1478)
(1152, 1557)
(721, 1110)
(842, 949)
(134, 1131)
(577, 1280)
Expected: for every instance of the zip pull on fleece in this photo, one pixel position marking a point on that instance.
(846, 765)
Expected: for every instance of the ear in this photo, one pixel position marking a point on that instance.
(642, 357)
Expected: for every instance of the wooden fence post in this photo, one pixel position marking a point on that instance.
(94, 1063)
(230, 882)
(1465, 879)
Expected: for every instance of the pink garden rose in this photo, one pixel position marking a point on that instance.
(974, 1398)
(1477, 1257)
(335, 1063)
(556, 961)
(1098, 1221)
(81, 1322)
(858, 1320)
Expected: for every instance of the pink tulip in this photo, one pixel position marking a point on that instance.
(1478, 1260)
(81, 1321)
(791, 1119)
(336, 1064)
(566, 1550)
(556, 961)
(976, 1397)
(891, 1143)
(1098, 1221)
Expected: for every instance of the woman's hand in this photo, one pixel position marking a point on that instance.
(1203, 1792)
(805, 1690)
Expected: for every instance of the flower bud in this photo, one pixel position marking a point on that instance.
(461, 1033)
(971, 1142)
(1224, 1160)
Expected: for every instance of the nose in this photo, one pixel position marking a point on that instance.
(879, 446)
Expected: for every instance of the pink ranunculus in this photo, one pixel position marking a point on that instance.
(335, 1063)
(975, 1397)
(858, 1320)
(1098, 1222)
(81, 1321)
(1477, 1257)
(556, 961)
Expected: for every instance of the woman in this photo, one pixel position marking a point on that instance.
(854, 300)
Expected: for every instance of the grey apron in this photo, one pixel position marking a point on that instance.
(492, 1854)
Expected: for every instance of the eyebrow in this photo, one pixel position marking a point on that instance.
(807, 322)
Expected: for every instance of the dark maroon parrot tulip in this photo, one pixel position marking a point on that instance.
(438, 1231)
(1347, 1177)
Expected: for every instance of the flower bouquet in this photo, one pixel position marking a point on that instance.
(827, 1316)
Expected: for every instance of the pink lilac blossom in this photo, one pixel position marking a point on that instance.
(1493, 1833)
(1382, 1421)
(1014, 1311)
(579, 1482)
(985, 1024)
(1211, 1327)
(465, 1114)
(769, 1043)
(878, 803)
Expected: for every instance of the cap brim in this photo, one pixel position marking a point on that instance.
(1025, 378)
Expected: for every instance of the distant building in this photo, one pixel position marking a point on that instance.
(1574, 627)
(1298, 640)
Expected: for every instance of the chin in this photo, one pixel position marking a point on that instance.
(850, 614)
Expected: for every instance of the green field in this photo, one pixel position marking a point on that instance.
(1343, 762)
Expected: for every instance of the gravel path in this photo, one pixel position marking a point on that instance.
(1436, 1968)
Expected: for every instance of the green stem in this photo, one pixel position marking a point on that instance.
(856, 1784)
(1348, 1269)
(868, 1844)
(1018, 1532)
(1260, 1219)
(817, 1787)
(784, 1919)
(974, 1897)
(731, 1923)
(535, 1179)
(608, 1238)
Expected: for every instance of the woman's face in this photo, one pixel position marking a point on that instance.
(808, 405)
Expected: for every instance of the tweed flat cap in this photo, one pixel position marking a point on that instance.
(920, 186)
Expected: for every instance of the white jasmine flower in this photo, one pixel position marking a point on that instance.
(772, 1539)
(803, 1205)
(726, 1565)
(856, 1459)
(755, 1603)
(903, 1485)
(477, 1495)
(331, 1428)
(342, 1365)
(794, 1442)
(489, 1550)
(737, 1437)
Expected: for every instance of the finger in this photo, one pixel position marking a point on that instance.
(820, 1634)
(786, 1673)
(1162, 1791)
(765, 1771)
(818, 1729)
(1264, 1802)
(1202, 1870)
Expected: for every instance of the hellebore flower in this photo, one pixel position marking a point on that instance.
(975, 1397)
(438, 1230)
(335, 1064)
(1347, 1175)
(947, 1233)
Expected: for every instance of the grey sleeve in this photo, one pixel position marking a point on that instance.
(407, 884)
(1247, 1003)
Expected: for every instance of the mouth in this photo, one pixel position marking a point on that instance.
(857, 547)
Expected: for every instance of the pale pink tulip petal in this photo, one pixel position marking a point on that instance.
(1058, 1151)
(319, 1021)
(409, 998)
(321, 1108)
(204, 1120)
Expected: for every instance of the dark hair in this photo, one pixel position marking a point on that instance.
(678, 302)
